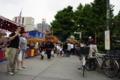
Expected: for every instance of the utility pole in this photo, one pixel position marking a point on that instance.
(108, 14)
(107, 33)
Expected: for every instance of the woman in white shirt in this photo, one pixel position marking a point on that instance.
(58, 49)
(68, 49)
(23, 48)
(92, 52)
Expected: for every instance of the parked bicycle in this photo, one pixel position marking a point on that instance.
(108, 64)
(115, 54)
(83, 57)
(118, 75)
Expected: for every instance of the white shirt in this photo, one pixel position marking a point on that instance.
(82, 45)
(72, 46)
(69, 46)
(36, 45)
(93, 48)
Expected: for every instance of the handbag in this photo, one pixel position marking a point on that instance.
(20, 56)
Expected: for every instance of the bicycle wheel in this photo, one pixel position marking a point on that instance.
(110, 67)
(87, 65)
(118, 75)
(83, 70)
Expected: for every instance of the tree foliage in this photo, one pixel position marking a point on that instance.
(84, 19)
(115, 30)
(62, 25)
(90, 19)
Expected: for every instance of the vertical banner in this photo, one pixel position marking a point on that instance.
(107, 40)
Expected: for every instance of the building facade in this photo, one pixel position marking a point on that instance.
(27, 21)
(42, 27)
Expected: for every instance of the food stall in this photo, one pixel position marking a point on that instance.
(33, 37)
(36, 36)
(7, 25)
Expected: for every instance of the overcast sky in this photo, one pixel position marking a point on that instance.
(39, 9)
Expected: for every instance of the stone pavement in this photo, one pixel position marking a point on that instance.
(64, 68)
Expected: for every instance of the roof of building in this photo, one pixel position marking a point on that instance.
(6, 19)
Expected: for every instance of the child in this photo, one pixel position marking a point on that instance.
(42, 54)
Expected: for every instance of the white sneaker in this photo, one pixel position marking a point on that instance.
(24, 66)
(15, 71)
(10, 73)
(20, 69)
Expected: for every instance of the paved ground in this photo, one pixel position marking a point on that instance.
(57, 69)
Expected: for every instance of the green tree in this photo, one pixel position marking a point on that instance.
(90, 19)
(115, 30)
(99, 18)
(84, 20)
(62, 25)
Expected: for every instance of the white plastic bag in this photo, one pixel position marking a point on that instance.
(52, 52)
(43, 52)
(20, 56)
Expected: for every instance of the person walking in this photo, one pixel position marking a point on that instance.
(65, 46)
(23, 48)
(13, 51)
(72, 49)
(49, 47)
(58, 49)
(42, 50)
(68, 49)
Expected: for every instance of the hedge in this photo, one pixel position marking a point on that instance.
(101, 48)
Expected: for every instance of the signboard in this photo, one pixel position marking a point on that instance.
(107, 40)
(35, 34)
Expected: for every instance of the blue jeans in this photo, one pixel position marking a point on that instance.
(23, 52)
(65, 52)
(68, 53)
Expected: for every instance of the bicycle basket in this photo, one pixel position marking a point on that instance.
(84, 50)
(113, 54)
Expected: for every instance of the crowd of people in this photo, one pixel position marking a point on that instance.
(17, 46)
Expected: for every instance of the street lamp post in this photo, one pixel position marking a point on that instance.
(80, 33)
(80, 26)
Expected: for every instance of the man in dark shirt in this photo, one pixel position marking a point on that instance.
(49, 47)
(65, 46)
(13, 50)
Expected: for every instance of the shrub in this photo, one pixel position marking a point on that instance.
(101, 48)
